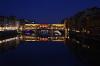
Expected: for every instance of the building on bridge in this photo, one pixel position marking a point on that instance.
(46, 32)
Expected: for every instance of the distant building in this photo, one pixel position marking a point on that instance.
(12, 23)
(85, 21)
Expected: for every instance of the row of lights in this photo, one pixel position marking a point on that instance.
(7, 40)
(8, 28)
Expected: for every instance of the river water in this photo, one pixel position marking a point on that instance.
(16, 52)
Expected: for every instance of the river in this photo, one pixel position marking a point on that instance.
(16, 52)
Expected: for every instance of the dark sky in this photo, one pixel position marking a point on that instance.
(45, 11)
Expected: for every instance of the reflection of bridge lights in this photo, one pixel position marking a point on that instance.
(30, 38)
(7, 40)
(57, 38)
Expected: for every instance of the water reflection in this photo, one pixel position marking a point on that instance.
(12, 43)
(32, 38)
(87, 55)
(74, 52)
(86, 50)
(29, 53)
(9, 44)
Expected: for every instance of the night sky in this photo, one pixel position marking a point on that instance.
(45, 11)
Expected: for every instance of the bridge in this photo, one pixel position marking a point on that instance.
(45, 32)
(40, 32)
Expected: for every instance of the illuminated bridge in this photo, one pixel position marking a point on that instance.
(45, 32)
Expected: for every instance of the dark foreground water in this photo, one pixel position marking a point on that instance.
(22, 53)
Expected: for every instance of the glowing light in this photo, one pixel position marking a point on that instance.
(68, 29)
(7, 40)
(77, 31)
(8, 28)
(68, 37)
